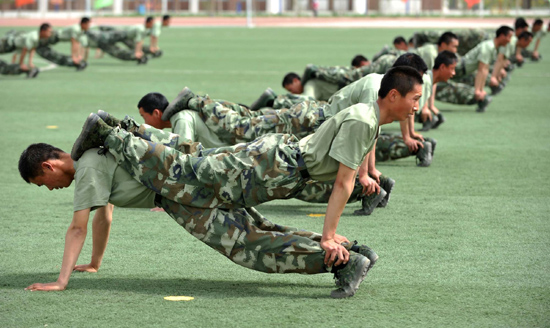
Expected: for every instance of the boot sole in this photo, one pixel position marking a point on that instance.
(362, 270)
(86, 128)
(169, 111)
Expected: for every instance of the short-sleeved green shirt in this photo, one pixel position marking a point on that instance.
(428, 53)
(364, 90)
(99, 181)
(509, 50)
(137, 32)
(70, 32)
(484, 52)
(27, 40)
(157, 26)
(345, 138)
(188, 125)
(319, 89)
(426, 89)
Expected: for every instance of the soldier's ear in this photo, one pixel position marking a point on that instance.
(157, 113)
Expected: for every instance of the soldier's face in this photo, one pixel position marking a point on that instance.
(401, 46)
(524, 43)
(85, 26)
(46, 34)
(52, 178)
(295, 87)
(408, 104)
(364, 63)
(166, 22)
(452, 46)
(154, 119)
(448, 71)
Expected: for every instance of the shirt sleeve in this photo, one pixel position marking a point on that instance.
(92, 188)
(485, 55)
(155, 31)
(350, 145)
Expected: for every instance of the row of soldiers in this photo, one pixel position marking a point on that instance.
(222, 158)
(82, 37)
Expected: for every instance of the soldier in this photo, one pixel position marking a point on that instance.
(76, 34)
(275, 166)
(468, 39)
(189, 125)
(242, 235)
(23, 43)
(400, 45)
(107, 42)
(310, 87)
(538, 33)
(476, 61)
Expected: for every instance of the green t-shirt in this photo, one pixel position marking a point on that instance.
(137, 32)
(509, 50)
(484, 52)
(71, 32)
(157, 26)
(319, 89)
(345, 138)
(428, 53)
(99, 180)
(189, 125)
(426, 89)
(364, 90)
(27, 40)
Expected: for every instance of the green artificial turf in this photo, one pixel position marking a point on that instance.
(464, 242)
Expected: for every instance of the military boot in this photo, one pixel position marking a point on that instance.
(483, 104)
(93, 135)
(367, 252)
(265, 97)
(108, 118)
(178, 104)
(349, 277)
(386, 184)
(424, 155)
(369, 203)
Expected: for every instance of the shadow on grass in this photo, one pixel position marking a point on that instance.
(175, 286)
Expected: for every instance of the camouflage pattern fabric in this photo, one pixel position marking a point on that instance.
(233, 123)
(250, 240)
(6, 44)
(468, 39)
(237, 176)
(107, 41)
(45, 51)
(386, 50)
(320, 191)
(455, 93)
(343, 75)
(288, 100)
(10, 69)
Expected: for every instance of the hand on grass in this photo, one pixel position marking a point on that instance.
(52, 286)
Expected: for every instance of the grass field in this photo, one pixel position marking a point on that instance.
(464, 242)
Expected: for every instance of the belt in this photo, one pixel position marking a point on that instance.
(301, 163)
(158, 199)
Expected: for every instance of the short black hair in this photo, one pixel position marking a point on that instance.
(525, 35)
(152, 101)
(399, 40)
(165, 17)
(30, 162)
(520, 23)
(356, 61)
(446, 58)
(149, 19)
(447, 38)
(85, 20)
(401, 78)
(44, 27)
(537, 21)
(411, 39)
(289, 78)
(412, 60)
(504, 30)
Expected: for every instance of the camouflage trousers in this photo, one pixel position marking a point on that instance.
(239, 176)
(10, 69)
(107, 41)
(313, 191)
(248, 239)
(131, 44)
(392, 147)
(288, 100)
(468, 39)
(386, 50)
(342, 75)
(6, 44)
(233, 123)
(55, 57)
(455, 93)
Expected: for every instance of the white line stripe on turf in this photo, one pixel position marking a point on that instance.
(182, 71)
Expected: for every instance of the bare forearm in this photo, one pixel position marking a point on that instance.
(154, 41)
(74, 240)
(336, 205)
(31, 56)
(75, 50)
(101, 228)
(480, 78)
(23, 54)
(405, 131)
